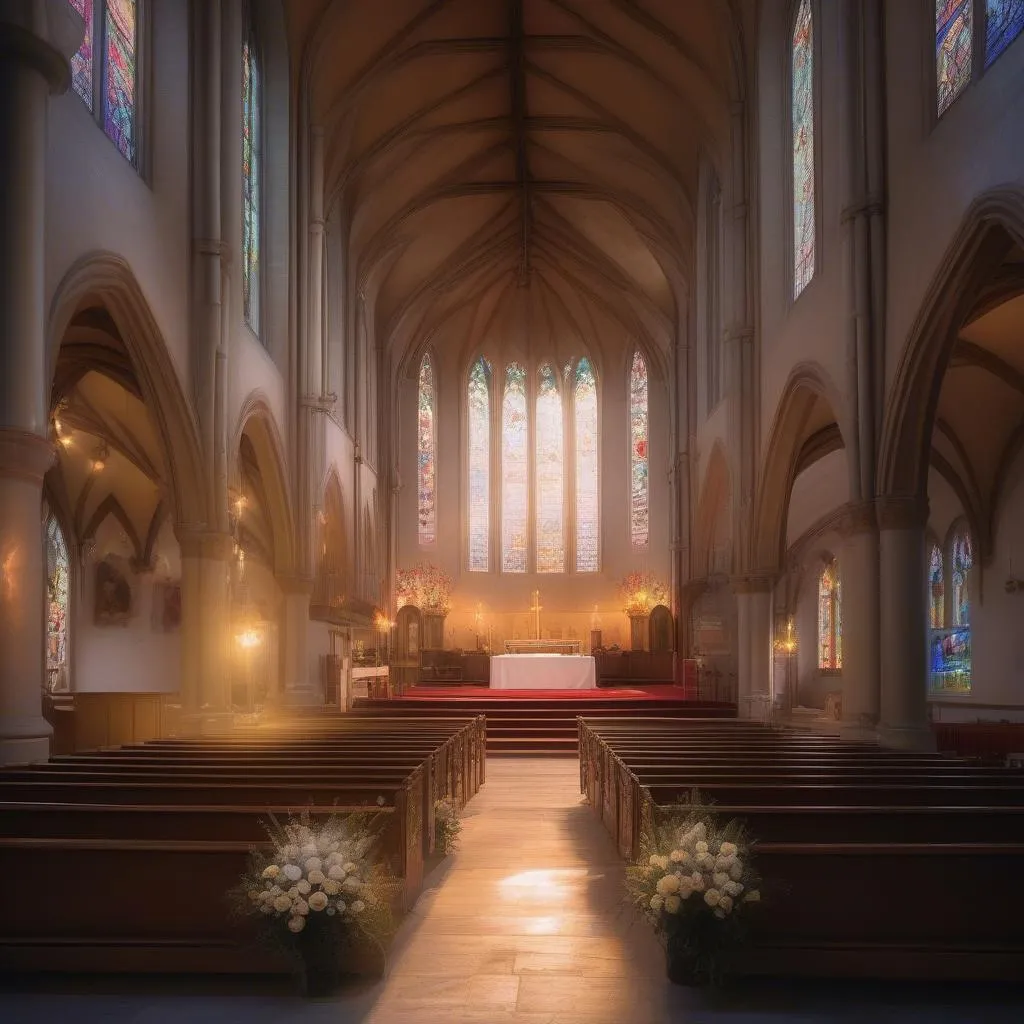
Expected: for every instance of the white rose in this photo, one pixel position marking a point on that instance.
(720, 879)
(349, 868)
(672, 904)
(699, 830)
(303, 887)
(733, 888)
(725, 903)
(736, 872)
(318, 901)
(292, 872)
(753, 896)
(300, 907)
(352, 885)
(275, 890)
(337, 872)
(314, 864)
(316, 877)
(341, 906)
(667, 885)
(271, 871)
(657, 902)
(679, 856)
(358, 907)
(698, 881)
(711, 897)
(293, 893)
(290, 852)
(282, 904)
(334, 859)
(331, 887)
(296, 924)
(729, 848)
(701, 847)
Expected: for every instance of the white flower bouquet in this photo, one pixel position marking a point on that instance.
(694, 882)
(447, 825)
(318, 894)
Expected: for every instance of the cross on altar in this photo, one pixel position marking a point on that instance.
(535, 608)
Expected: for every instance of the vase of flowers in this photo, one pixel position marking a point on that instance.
(447, 825)
(694, 883)
(319, 897)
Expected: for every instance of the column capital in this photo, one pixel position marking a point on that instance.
(24, 456)
(201, 542)
(759, 582)
(902, 511)
(21, 43)
(858, 517)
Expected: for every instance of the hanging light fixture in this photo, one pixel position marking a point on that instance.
(99, 458)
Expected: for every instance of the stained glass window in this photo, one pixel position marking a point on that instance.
(639, 508)
(81, 62)
(57, 605)
(585, 415)
(830, 619)
(550, 487)
(1004, 20)
(119, 55)
(252, 170)
(936, 589)
(960, 562)
(478, 402)
(426, 464)
(514, 471)
(803, 147)
(953, 43)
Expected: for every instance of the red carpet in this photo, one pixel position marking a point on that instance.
(655, 691)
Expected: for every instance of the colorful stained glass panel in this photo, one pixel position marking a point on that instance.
(585, 413)
(953, 44)
(514, 471)
(804, 223)
(119, 56)
(82, 62)
(639, 518)
(549, 469)
(1004, 20)
(936, 589)
(479, 428)
(961, 562)
(426, 461)
(830, 623)
(252, 168)
(57, 603)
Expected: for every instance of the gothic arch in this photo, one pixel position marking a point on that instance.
(107, 279)
(991, 225)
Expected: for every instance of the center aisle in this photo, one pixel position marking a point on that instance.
(527, 922)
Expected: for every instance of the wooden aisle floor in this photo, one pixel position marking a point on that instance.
(524, 925)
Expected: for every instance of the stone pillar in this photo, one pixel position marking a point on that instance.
(904, 638)
(206, 630)
(858, 567)
(298, 689)
(36, 41)
(754, 639)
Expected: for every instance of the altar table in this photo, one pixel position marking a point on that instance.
(543, 672)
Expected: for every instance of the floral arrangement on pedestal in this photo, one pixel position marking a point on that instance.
(640, 592)
(318, 895)
(447, 825)
(425, 586)
(694, 882)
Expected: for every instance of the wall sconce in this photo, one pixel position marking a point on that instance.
(99, 459)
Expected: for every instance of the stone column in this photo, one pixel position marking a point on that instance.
(904, 638)
(36, 41)
(754, 639)
(858, 567)
(298, 689)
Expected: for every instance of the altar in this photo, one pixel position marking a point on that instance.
(543, 672)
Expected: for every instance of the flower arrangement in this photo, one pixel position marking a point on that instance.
(640, 592)
(693, 882)
(447, 825)
(317, 893)
(425, 586)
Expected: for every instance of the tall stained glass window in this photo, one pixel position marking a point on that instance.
(549, 470)
(830, 619)
(515, 475)
(936, 589)
(1004, 20)
(639, 506)
(478, 402)
(802, 113)
(961, 560)
(252, 172)
(57, 605)
(426, 462)
(111, 33)
(586, 504)
(954, 39)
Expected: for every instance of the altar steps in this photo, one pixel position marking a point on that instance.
(540, 726)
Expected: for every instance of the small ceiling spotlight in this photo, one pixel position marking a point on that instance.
(99, 459)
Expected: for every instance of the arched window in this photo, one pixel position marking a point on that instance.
(252, 172)
(639, 519)
(550, 475)
(587, 491)
(936, 589)
(478, 402)
(830, 619)
(802, 126)
(1004, 21)
(58, 570)
(426, 463)
(960, 562)
(515, 476)
(111, 29)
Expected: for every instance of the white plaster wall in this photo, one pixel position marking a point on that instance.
(821, 488)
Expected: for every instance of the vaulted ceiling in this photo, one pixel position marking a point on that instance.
(495, 159)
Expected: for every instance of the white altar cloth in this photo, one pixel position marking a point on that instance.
(543, 672)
